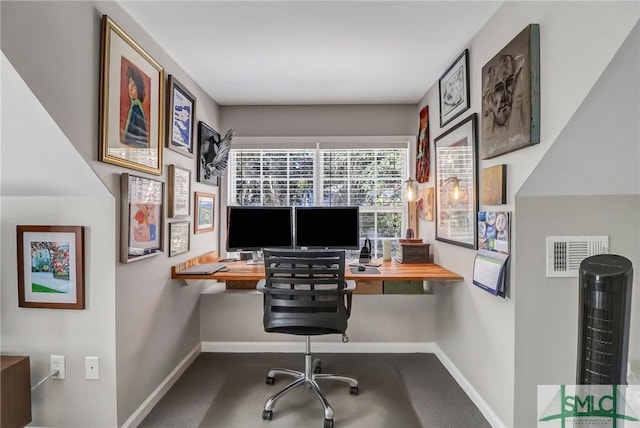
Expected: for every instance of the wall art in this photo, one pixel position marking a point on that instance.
(213, 153)
(179, 234)
(205, 208)
(181, 115)
(493, 185)
(511, 96)
(457, 184)
(51, 267)
(423, 163)
(142, 218)
(454, 91)
(132, 103)
(179, 191)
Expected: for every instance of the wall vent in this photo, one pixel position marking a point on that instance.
(565, 253)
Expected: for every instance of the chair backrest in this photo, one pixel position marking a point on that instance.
(304, 292)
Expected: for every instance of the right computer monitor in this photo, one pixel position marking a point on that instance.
(327, 227)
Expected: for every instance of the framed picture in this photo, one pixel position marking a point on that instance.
(213, 153)
(179, 191)
(494, 231)
(457, 184)
(179, 234)
(511, 96)
(132, 103)
(51, 267)
(205, 205)
(454, 89)
(493, 185)
(142, 218)
(181, 114)
(423, 163)
(425, 204)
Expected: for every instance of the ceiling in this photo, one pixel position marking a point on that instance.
(313, 52)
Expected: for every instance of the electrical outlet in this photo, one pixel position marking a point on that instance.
(56, 362)
(92, 368)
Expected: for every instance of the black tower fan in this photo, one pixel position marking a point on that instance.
(604, 313)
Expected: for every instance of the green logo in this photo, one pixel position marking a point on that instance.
(588, 405)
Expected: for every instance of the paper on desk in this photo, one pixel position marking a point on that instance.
(489, 271)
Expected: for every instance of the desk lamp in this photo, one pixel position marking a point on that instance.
(410, 195)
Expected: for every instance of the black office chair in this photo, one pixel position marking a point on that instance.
(305, 293)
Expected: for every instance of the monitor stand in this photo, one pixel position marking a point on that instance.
(256, 258)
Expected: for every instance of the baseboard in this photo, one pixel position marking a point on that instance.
(329, 347)
(471, 392)
(141, 412)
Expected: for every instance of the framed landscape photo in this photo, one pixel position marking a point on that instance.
(51, 267)
(179, 191)
(179, 234)
(141, 218)
(511, 96)
(454, 92)
(205, 205)
(181, 114)
(456, 165)
(132, 103)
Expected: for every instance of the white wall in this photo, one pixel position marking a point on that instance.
(35, 151)
(586, 184)
(474, 329)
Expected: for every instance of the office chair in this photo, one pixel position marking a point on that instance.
(305, 294)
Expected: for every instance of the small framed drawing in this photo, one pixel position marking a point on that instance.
(132, 103)
(493, 185)
(205, 205)
(454, 89)
(179, 191)
(456, 163)
(179, 233)
(511, 96)
(207, 137)
(141, 218)
(181, 114)
(51, 267)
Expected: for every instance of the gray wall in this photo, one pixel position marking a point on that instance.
(55, 47)
(587, 184)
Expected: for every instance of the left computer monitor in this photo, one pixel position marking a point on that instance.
(255, 228)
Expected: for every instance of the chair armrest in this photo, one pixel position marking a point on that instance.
(350, 287)
(261, 285)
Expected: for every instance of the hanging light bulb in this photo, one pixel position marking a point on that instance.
(410, 190)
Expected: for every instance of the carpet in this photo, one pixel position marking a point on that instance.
(382, 400)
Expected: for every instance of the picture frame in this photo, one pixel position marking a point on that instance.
(132, 103)
(181, 115)
(423, 162)
(179, 199)
(179, 237)
(50, 267)
(511, 96)
(456, 170)
(453, 89)
(204, 212)
(425, 204)
(207, 138)
(493, 185)
(142, 218)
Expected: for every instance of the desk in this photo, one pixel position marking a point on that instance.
(389, 271)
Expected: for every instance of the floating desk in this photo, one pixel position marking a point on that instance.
(389, 271)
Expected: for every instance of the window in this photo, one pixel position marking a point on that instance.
(369, 177)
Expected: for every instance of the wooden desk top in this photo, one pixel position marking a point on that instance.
(390, 270)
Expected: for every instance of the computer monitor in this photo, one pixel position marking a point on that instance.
(327, 227)
(254, 228)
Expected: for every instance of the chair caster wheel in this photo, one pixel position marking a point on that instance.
(328, 423)
(353, 390)
(269, 381)
(268, 414)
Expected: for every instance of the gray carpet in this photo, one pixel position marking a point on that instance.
(382, 400)
(435, 397)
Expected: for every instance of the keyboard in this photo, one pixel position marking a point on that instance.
(203, 269)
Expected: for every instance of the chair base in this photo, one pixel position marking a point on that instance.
(309, 378)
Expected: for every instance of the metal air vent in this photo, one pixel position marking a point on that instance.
(565, 253)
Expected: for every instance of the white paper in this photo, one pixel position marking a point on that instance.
(487, 268)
